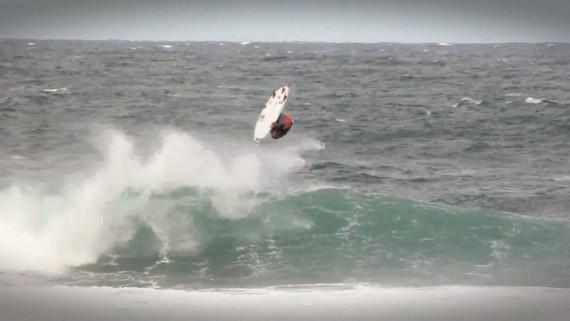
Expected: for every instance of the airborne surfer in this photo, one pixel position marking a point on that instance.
(281, 126)
(272, 120)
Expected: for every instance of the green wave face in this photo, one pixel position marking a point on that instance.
(334, 235)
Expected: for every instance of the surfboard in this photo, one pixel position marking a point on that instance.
(273, 108)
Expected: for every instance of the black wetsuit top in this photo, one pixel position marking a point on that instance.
(279, 130)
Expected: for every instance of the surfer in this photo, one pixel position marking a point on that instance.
(272, 119)
(281, 126)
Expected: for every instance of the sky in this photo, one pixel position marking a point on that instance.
(289, 20)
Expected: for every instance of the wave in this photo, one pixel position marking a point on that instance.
(196, 212)
(49, 231)
(336, 235)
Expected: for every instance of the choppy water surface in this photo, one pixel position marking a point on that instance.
(132, 164)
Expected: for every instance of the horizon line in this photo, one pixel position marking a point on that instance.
(298, 41)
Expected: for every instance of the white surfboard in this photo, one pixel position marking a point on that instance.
(270, 113)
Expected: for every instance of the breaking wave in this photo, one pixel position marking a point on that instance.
(201, 214)
(48, 231)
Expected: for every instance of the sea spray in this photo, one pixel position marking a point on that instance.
(49, 232)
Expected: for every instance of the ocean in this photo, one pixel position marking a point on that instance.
(423, 168)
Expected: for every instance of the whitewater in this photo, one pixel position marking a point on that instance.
(76, 222)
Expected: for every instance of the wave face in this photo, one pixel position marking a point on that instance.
(333, 235)
(187, 215)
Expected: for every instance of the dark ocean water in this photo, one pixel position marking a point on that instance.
(133, 164)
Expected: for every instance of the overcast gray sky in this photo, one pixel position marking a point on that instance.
(290, 20)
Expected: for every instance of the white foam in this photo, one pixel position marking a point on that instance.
(165, 46)
(467, 100)
(31, 44)
(57, 91)
(445, 44)
(532, 100)
(243, 43)
(563, 178)
(50, 232)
